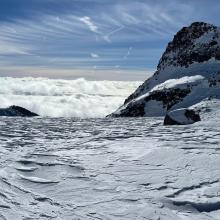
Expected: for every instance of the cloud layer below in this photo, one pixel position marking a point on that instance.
(65, 98)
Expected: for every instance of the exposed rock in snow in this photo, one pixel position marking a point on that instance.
(188, 72)
(14, 111)
(181, 117)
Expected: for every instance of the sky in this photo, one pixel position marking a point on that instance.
(94, 39)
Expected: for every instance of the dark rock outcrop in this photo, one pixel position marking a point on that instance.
(14, 111)
(168, 98)
(181, 117)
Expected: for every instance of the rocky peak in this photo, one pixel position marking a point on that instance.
(197, 43)
(186, 35)
(190, 64)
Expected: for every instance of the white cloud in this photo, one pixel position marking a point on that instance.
(128, 53)
(7, 48)
(58, 19)
(87, 20)
(94, 55)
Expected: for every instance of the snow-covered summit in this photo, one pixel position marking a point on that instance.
(188, 72)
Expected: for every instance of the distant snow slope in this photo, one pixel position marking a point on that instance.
(64, 98)
(187, 73)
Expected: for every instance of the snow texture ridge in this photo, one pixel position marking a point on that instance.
(110, 168)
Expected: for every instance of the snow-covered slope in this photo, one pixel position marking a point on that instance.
(110, 169)
(188, 72)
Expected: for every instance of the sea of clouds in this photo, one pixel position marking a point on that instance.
(65, 98)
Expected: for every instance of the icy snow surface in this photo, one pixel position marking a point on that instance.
(123, 168)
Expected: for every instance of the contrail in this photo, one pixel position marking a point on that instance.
(106, 37)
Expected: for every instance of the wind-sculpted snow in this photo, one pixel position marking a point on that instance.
(112, 168)
(64, 98)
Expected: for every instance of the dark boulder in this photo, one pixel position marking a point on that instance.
(16, 111)
(181, 117)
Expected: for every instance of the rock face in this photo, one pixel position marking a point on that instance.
(188, 72)
(181, 117)
(14, 111)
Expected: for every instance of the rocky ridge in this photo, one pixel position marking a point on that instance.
(16, 111)
(188, 72)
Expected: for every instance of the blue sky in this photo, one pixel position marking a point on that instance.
(95, 39)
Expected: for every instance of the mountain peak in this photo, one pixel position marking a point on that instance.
(201, 24)
(197, 43)
(187, 73)
(187, 34)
